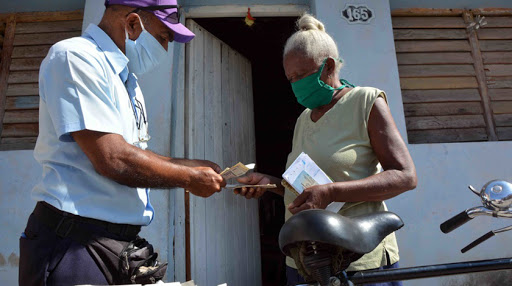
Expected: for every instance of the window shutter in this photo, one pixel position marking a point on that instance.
(445, 79)
(496, 46)
(28, 37)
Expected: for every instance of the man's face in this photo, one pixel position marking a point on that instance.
(161, 33)
(154, 26)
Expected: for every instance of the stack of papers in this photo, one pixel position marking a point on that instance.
(304, 173)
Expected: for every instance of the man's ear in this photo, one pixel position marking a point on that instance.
(133, 26)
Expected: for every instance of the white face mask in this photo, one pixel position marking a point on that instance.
(145, 53)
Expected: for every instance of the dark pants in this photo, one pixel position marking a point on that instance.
(293, 277)
(53, 251)
(48, 260)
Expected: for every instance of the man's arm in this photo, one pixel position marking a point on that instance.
(126, 164)
(191, 162)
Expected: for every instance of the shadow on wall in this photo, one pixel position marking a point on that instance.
(493, 278)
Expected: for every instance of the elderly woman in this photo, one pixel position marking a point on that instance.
(347, 131)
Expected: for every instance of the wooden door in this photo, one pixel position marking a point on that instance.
(219, 126)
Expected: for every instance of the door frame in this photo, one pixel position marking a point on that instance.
(225, 11)
(180, 198)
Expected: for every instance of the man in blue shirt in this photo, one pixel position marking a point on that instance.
(92, 141)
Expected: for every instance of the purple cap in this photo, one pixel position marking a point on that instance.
(168, 16)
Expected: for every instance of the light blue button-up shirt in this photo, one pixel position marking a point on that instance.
(84, 83)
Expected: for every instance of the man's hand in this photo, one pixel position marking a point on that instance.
(206, 163)
(316, 197)
(205, 182)
(253, 179)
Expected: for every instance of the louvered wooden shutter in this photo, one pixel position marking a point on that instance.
(27, 41)
(496, 46)
(447, 94)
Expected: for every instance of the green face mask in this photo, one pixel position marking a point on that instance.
(311, 92)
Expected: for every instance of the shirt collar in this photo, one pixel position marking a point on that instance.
(118, 61)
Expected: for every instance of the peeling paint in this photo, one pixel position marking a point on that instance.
(492, 278)
(14, 260)
(2, 260)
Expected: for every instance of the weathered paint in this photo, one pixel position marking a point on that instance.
(224, 232)
(18, 174)
(444, 170)
(14, 260)
(37, 5)
(2, 260)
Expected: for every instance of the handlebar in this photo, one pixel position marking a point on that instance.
(455, 222)
(478, 241)
(469, 214)
(496, 197)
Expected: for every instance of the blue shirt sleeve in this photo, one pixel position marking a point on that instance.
(77, 93)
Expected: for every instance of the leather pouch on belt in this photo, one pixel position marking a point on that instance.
(126, 262)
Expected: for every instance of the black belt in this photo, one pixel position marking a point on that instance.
(65, 224)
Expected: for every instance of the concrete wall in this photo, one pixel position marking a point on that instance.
(18, 174)
(8, 6)
(444, 170)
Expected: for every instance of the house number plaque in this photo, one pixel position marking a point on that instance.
(357, 14)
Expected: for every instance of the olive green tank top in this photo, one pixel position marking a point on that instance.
(339, 144)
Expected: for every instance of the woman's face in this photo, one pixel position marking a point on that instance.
(297, 66)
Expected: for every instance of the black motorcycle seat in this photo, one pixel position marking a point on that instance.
(358, 234)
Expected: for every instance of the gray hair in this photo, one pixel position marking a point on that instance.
(312, 40)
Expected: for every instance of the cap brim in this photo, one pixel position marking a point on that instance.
(181, 33)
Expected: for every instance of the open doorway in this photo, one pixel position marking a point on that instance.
(275, 113)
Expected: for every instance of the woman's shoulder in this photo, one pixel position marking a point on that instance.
(303, 116)
(364, 94)
(366, 91)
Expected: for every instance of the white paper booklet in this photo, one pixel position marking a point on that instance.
(304, 173)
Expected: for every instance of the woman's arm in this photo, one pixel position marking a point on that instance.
(399, 173)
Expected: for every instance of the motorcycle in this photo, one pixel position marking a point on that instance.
(323, 243)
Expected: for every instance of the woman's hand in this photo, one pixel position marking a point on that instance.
(254, 179)
(316, 197)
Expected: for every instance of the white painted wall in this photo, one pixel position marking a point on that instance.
(19, 172)
(444, 170)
